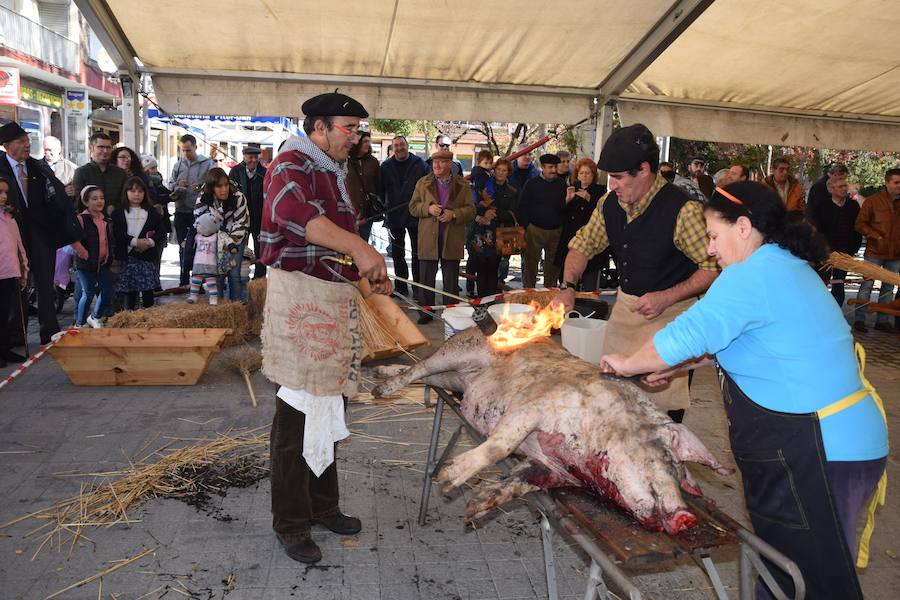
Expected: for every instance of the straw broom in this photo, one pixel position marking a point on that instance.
(845, 262)
(247, 361)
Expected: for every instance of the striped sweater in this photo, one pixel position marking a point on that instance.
(236, 223)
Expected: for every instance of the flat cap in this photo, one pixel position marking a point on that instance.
(549, 159)
(252, 149)
(627, 148)
(442, 155)
(10, 132)
(333, 104)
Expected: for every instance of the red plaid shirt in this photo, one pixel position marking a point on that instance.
(296, 190)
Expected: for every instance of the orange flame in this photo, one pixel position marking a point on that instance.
(518, 329)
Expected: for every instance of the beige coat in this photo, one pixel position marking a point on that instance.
(463, 209)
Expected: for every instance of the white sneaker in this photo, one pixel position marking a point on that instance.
(191, 299)
(94, 322)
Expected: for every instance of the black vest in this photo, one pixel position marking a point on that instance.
(646, 256)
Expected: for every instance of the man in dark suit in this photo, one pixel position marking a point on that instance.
(249, 175)
(34, 195)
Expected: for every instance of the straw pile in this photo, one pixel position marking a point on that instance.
(845, 262)
(225, 315)
(230, 460)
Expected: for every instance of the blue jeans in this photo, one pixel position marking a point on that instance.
(884, 296)
(237, 290)
(88, 280)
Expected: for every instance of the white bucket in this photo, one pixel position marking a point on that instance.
(497, 310)
(456, 319)
(583, 337)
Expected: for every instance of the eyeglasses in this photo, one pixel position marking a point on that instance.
(351, 131)
(733, 198)
(443, 145)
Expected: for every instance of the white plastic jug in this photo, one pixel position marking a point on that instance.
(583, 337)
(456, 319)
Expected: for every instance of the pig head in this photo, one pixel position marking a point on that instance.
(573, 426)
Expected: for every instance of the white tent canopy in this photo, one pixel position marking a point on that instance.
(810, 72)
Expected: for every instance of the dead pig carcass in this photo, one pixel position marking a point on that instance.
(574, 425)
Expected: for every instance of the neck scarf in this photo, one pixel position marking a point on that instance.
(322, 160)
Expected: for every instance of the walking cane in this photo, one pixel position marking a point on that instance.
(24, 319)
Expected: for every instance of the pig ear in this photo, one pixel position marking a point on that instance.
(687, 447)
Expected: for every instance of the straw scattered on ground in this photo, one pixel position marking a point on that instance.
(230, 315)
(191, 473)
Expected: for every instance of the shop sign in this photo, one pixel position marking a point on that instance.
(9, 85)
(41, 97)
(77, 101)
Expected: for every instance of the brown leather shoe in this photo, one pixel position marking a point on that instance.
(301, 548)
(860, 326)
(339, 523)
(883, 327)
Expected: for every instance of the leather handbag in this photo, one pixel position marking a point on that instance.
(510, 240)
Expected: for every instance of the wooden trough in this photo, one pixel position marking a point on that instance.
(160, 356)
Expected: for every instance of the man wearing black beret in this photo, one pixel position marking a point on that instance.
(658, 236)
(39, 202)
(541, 206)
(311, 336)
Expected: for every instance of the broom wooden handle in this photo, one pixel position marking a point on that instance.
(250, 388)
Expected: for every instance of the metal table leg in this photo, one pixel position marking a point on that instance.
(596, 587)
(429, 463)
(714, 578)
(549, 559)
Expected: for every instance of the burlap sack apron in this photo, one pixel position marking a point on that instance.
(627, 331)
(310, 334)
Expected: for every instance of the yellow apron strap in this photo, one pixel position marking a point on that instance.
(842, 404)
(878, 498)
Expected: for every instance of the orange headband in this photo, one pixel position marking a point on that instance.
(729, 196)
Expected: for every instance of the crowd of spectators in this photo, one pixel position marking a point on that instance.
(443, 215)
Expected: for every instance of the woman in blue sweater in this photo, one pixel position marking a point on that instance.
(807, 430)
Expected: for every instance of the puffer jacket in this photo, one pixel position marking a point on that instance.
(879, 221)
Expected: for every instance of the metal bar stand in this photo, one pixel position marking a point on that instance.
(752, 548)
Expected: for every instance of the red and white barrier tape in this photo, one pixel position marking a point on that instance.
(34, 357)
(506, 295)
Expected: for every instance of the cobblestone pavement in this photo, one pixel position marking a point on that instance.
(50, 428)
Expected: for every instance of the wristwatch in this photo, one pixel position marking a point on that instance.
(565, 285)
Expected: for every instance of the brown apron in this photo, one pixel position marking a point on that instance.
(310, 334)
(627, 331)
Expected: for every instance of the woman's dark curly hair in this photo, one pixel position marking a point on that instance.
(137, 168)
(214, 177)
(762, 205)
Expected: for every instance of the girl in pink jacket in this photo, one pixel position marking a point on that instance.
(13, 272)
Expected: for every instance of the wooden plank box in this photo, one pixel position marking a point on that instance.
(159, 356)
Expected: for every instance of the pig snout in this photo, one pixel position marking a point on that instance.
(678, 522)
